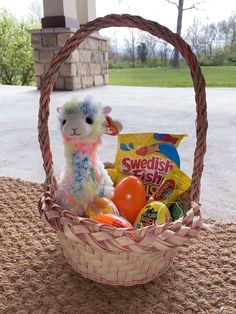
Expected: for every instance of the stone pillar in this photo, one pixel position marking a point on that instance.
(86, 67)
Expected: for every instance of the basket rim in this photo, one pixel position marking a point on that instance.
(71, 225)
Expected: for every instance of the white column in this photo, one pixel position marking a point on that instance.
(83, 10)
(60, 13)
(66, 8)
(53, 8)
(86, 10)
(70, 8)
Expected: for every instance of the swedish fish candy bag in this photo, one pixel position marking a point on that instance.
(148, 156)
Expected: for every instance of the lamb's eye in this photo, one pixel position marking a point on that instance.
(89, 120)
(63, 122)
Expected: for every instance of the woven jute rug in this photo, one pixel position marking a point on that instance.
(34, 277)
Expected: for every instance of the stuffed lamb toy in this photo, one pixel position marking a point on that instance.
(84, 179)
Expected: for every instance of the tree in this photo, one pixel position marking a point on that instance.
(232, 27)
(35, 14)
(113, 52)
(151, 43)
(130, 46)
(180, 7)
(224, 32)
(112, 55)
(164, 52)
(142, 52)
(16, 62)
(193, 36)
(209, 33)
(214, 44)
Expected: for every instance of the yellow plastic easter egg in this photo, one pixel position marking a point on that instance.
(101, 205)
(155, 213)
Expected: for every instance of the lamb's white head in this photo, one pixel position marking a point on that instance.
(83, 120)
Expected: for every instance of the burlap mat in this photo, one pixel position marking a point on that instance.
(34, 277)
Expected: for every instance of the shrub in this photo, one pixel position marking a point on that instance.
(120, 64)
(16, 60)
(204, 61)
(153, 62)
(231, 58)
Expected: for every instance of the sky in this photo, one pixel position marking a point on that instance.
(166, 14)
(159, 10)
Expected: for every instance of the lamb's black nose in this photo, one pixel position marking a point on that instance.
(74, 130)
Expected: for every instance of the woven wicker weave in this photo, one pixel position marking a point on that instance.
(104, 253)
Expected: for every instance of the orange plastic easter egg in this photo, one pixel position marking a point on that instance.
(110, 219)
(130, 197)
(101, 205)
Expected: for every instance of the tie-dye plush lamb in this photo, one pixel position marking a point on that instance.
(84, 178)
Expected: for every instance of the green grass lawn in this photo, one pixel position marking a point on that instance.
(224, 76)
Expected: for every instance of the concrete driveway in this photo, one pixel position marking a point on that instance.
(140, 109)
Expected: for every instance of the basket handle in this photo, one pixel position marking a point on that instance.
(116, 20)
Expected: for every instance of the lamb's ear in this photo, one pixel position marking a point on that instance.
(106, 110)
(59, 109)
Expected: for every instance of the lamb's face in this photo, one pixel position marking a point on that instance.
(83, 121)
(77, 126)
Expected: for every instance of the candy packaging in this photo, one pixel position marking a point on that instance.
(155, 213)
(177, 210)
(174, 184)
(148, 156)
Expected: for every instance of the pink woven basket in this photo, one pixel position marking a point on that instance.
(106, 254)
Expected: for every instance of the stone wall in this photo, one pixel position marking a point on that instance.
(87, 66)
